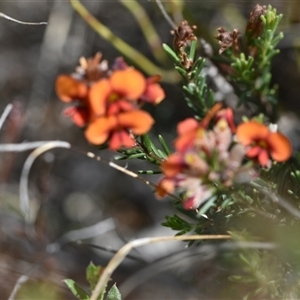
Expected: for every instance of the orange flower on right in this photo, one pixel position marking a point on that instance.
(262, 143)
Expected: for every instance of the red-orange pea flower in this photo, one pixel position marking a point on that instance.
(153, 93)
(227, 114)
(126, 84)
(173, 165)
(187, 130)
(78, 114)
(69, 90)
(115, 128)
(262, 142)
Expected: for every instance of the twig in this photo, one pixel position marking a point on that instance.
(5, 114)
(82, 234)
(121, 254)
(21, 147)
(129, 173)
(2, 15)
(165, 14)
(149, 31)
(17, 286)
(128, 51)
(24, 198)
(195, 256)
(44, 146)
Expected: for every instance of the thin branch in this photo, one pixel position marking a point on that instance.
(129, 173)
(122, 253)
(2, 15)
(165, 14)
(22, 279)
(82, 234)
(5, 114)
(44, 146)
(128, 51)
(21, 147)
(195, 256)
(24, 198)
(109, 250)
(149, 31)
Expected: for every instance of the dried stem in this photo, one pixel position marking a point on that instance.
(149, 31)
(122, 253)
(131, 53)
(2, 15)
(5, 114)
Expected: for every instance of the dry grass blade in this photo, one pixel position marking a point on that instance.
(122, 253)
(24, 198)
(2, 15)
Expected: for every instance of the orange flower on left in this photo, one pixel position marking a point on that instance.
(107, 102)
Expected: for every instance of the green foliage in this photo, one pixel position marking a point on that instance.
(252, 68)
(198, 96)
(77, 291)
(178, 224)
(113, 293)
(92, 275)
(147, 150)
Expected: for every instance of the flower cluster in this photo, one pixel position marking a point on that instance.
(210, 160)
(106, 102)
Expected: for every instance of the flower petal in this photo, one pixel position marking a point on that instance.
(210, 114)
(79, 115)
(227, 114)
(69, 89)
(187, 130)
(154, 92)
(121, 139)
(263, 158)
(98, 131)
(98, 96)
(119, 106)
(187, 125)
(138, 121)
(280, 146)
(252, 131)
(254, 151)
(129, 83)
(200, 195)
(173, 165)
(166, 185)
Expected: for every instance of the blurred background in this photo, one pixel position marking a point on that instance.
(73, 191)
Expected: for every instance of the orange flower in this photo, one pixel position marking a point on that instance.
(189, 130)
(173, 165)
(108, 106)
(165, 186)
(79, 115)
(126, 84)
(153, 92)
(115, 128)
(262, 142)
(227, 115)
(69, 89)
